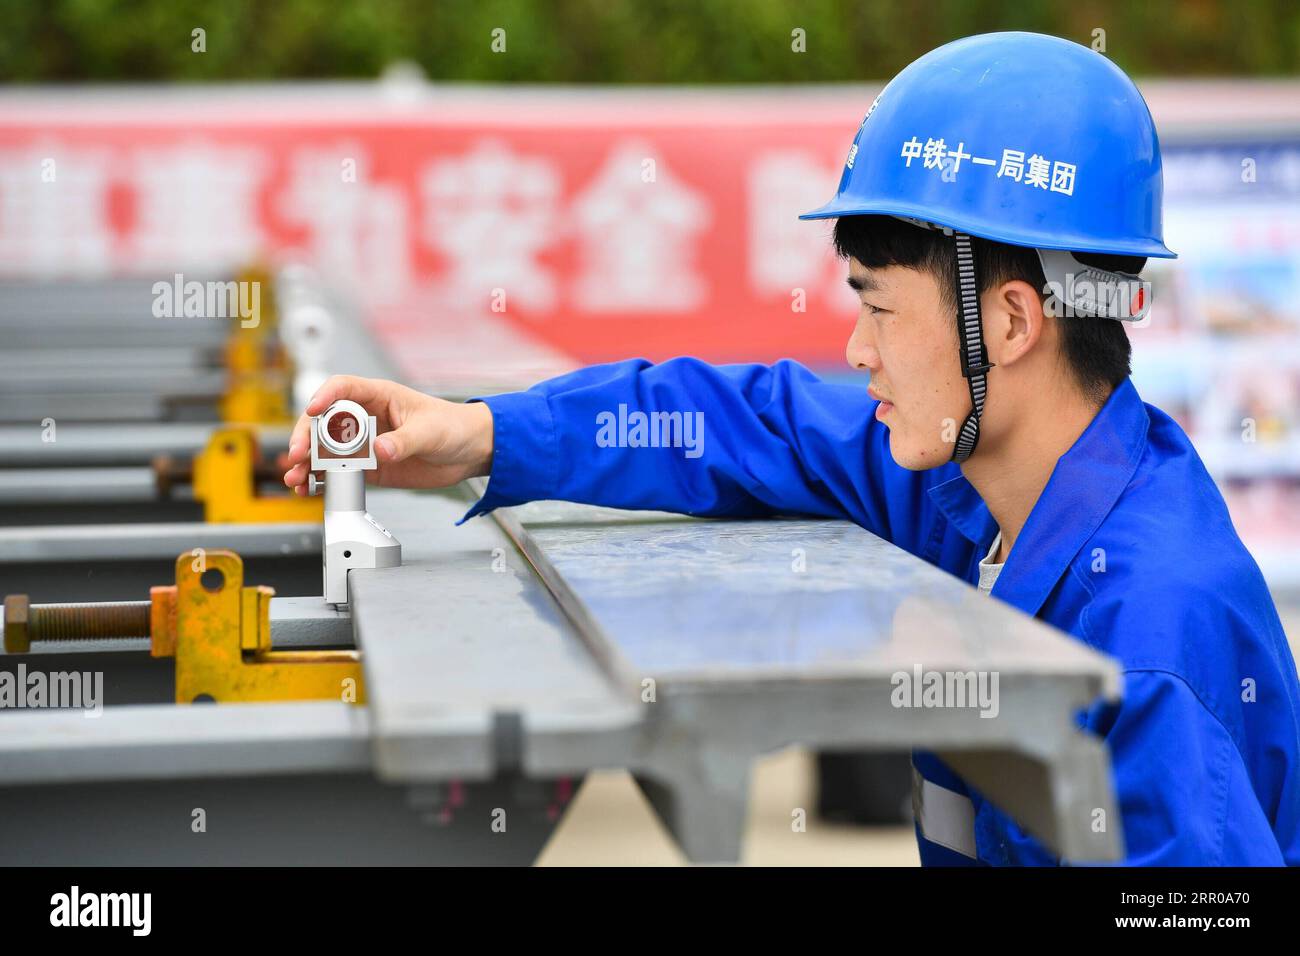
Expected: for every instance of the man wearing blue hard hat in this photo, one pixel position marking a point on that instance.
(997, 205)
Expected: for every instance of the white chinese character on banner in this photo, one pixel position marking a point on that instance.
(637, 236)
(786, 253)
(196, 206)
(491, 211)
(357, 228)
(1013, 164)
(911, 150)
(54, 211)
(1038, 172)
(1063, 178)
(935, 153)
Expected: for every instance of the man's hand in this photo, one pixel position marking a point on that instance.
(424, 442)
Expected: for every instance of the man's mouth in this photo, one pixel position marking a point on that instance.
(885, 404)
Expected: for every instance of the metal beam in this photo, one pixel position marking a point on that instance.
(78, 485)
(761, 634)
(71, 444)
(61, 360)
(159, 379)
(463, 647)
(125, 542)
(747, 636)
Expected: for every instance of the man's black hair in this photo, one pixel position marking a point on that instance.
(1097, 351)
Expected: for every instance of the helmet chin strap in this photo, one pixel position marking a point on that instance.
(975, 362)
(974, 359)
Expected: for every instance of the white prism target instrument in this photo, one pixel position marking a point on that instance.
(343, 447)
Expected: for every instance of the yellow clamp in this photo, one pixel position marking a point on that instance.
(258, 366)
(219, 632)
(226, 476)
(257, 399)
(263, 322)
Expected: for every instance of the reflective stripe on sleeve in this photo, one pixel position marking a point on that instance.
(944, 816)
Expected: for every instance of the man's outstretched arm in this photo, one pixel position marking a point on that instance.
(683, 436)
(700, 439)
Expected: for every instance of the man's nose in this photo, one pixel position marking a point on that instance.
(861, 352)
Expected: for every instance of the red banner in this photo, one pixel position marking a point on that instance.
(605, 224)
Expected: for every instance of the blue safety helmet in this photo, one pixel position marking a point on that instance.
(950, 140)
(1019, 138)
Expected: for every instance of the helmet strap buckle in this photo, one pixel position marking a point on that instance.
(1077, 289)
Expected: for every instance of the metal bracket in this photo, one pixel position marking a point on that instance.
(257, 391)
(225, 479)
(260, 398)
(219, 631)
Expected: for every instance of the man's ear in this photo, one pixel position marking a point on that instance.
(1021, 313)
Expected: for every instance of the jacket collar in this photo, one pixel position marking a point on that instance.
(1083, 488)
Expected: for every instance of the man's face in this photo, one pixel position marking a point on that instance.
(905, 337)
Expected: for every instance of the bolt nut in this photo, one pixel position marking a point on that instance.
(17, 640)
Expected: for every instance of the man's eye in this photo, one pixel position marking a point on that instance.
(873, 309)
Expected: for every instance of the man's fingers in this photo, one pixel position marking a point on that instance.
(372, 394)
(300, 439)
(395, 446)
(295, 459)
(411, 438)
(363, 391)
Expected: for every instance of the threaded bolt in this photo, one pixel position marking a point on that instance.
(25, 622)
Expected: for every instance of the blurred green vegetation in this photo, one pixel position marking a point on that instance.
(612, 41)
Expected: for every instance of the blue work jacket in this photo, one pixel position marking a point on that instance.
(1205, 746)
